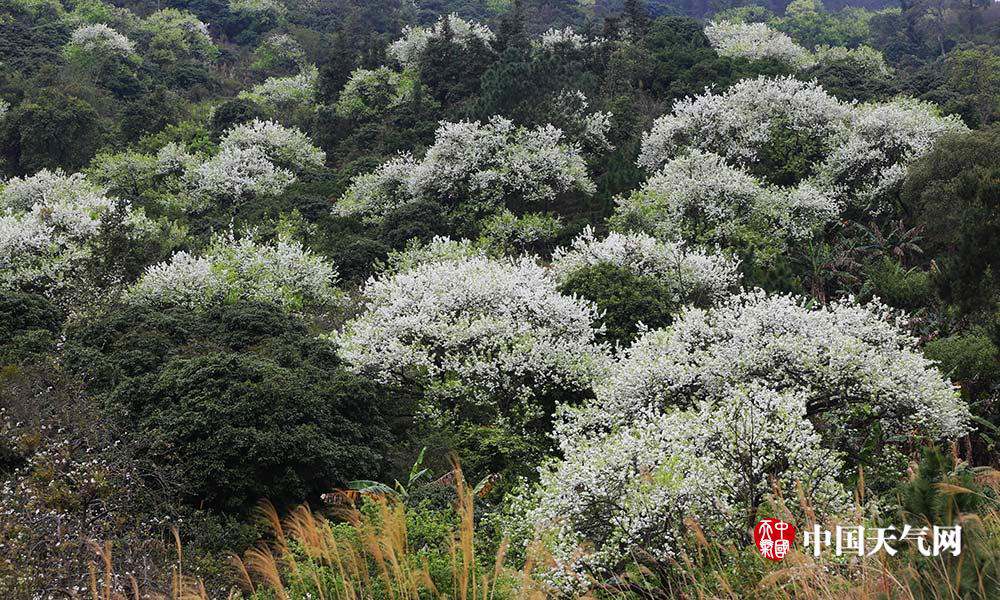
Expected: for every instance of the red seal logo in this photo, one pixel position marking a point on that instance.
(773, 538)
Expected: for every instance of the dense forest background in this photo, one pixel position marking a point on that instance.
(213, 214)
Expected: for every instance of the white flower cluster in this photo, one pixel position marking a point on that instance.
(369, 92)
(409, 49)
(477, 332)
(855, 364)
(286, 147)
(756, 41)
(870, 158)
(100, 37)
(257, 7)
(694, 277)
(699, 197)
(47, 225)
(4, 109)
(630, 491)
(695, 421)
(282, 93)
(255, 158)
(282, 273)
(862, 150)
(489, 164)
(554, 39)
(866, 57)
(737, 123)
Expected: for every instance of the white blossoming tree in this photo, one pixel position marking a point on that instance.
(409, 49)
(487, 339)
(371, 92)
(99, 39)
(49, 226)
(756, 41)
(693, 277)
(286, 147)
(488, 165)
(232, 270)
(170, 35)
(699, 197)
(701, 420)
(824, 154)
(286, 93)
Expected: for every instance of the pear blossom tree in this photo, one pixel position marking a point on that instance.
(756, 41)
(50, 225)
(409, 50)
(286, 147)
(485, 338)
(100, 38)
(694, 277)
(286, 93)
(489, 165)
(370, 92)
(702, 419)
(282, 273)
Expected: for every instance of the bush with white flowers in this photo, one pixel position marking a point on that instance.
(284, 93)
(756, 41)
(699, 197)
(48, 225)
(282, 273)
(489, 164)
(693, 276)
(870, 158)
(855, 364)
(100, 38)
(4, 109)
(409, 49)
(739, 122)
(848, 153)
(866, 57)
(478, 333)
(286, 147)
(628, 493)
(555, 39)
(235, 173)
(698, 420)
(370, 92)
(170, 35)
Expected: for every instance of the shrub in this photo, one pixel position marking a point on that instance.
(240, 402)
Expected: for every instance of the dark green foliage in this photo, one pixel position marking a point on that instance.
(420, 220)
(971, 358)
(29, 325)
(899, 287)
(237, 403)
(955, 191)
(625, 298)
(51, 130)
(234, 112)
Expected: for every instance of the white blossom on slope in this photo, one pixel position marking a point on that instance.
(693, 276)
(100, 38)
(48, 223)
(737, 123)
(235, 173)
(488, 164)
(871, 157)
(286, 147)
(628, 492)
(409, 49)
(4, 109)
(698, 197)
(756, 41)
(286, 93)
(855, 365)
(282, 273)
(477, 332)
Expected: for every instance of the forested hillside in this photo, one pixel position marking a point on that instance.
(467, 299)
